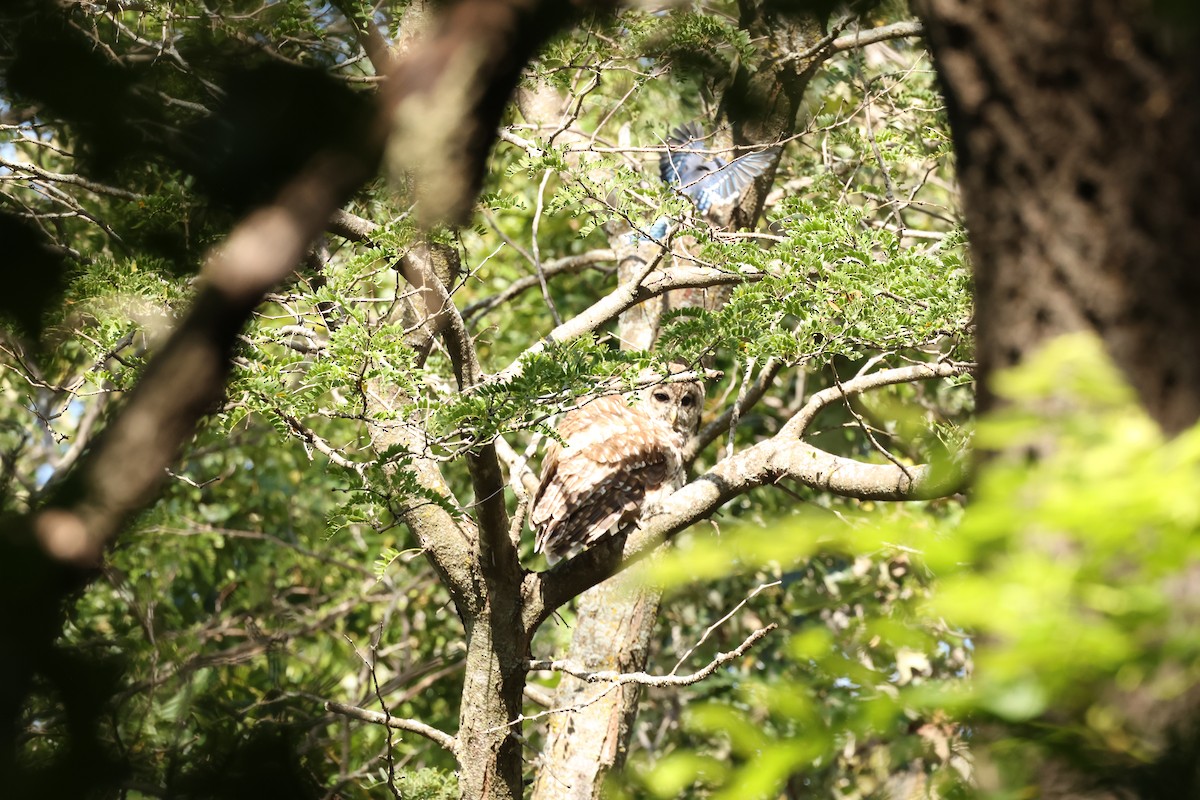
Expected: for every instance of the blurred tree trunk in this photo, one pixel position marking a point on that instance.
(1075, 126)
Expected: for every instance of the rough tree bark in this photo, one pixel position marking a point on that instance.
(1075, 126)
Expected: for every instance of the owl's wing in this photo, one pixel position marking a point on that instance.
(598, 482)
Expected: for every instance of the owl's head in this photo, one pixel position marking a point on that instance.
(677, 404)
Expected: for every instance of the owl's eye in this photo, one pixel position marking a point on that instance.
(687, 401)
(662, 397)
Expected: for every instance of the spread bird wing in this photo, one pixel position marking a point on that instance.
(727, 182)
(708, 181)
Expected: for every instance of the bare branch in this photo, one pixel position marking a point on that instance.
(800, 423)
(897, 30)
(75, 180)
(709, 631)
(626, 296)
(642, 678)
(781, 456)
(399, 723)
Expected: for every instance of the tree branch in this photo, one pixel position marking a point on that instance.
(782, 456)
(399, 723)
(656, 282)
(897, 30)
(644, 679)
(800, 422)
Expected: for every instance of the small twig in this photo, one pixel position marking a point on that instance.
(521, 718)
(390, 752)
(549, 268)
(889, 187)
(736, 416)
(537, 251)
(310, 438)
(866, 429)
(644, 679)
(720, 622)
(192, 483)
(753, 394)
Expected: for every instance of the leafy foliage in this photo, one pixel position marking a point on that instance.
(272, 575)
(1075, 588)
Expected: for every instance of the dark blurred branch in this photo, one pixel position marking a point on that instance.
(463, 78)
(351, 226)
(459, 82)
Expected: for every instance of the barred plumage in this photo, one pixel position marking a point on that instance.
(622, 455)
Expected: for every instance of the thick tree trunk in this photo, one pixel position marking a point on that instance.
(489, 743)
(1076, 127)
(613, 629)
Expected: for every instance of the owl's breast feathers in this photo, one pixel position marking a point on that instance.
(598, 483)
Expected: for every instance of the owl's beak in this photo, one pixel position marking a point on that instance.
(674, 415)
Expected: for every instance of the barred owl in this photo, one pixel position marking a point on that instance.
(622, 456)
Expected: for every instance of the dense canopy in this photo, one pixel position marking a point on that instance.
(343, 266)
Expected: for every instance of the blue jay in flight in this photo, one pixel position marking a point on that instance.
(711, 184)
